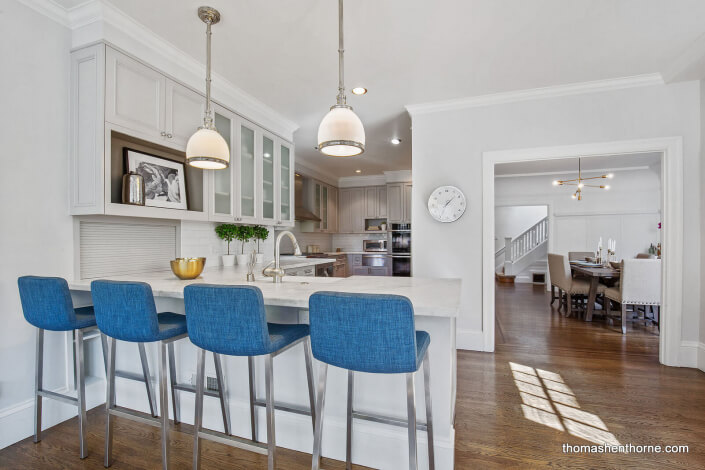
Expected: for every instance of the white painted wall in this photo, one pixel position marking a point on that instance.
(510, 221)
(448, 147)
(37, 232)
(628, 212)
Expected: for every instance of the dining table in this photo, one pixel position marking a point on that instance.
(594, 273)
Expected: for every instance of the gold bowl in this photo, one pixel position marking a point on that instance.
(187, 268)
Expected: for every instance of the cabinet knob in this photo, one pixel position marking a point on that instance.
(169, 136)
(163, 133)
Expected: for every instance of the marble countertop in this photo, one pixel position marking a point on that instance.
(430, 297)
(291, 262)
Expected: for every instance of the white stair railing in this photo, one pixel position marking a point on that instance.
(520, 246)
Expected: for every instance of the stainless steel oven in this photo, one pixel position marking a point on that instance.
(401, 265)
(400, 249)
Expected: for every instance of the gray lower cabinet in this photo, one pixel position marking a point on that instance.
(304, 271)
(369, 265)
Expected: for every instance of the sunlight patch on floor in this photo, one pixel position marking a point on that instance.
(547, 400)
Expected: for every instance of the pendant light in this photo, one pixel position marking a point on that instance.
(340, 133)
(206, 148)
(580, 182)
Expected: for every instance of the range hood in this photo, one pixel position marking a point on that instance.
(302, 212)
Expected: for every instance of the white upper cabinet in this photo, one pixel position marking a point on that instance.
(265, 157)
(135, 94)
(286, 185)
(398, 203)
(247, 174)
(184, 113)
(222, 206)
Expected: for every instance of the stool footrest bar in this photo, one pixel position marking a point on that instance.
(57, 396)
(192, 389)
(387, 420)
(233, 441)
(134, 415)
(285, 407)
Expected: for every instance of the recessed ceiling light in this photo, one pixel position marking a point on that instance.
(358, 171)
(359, 90)
(396, 141)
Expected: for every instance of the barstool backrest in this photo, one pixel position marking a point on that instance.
(125, 310)
(363, 332)
(227, 319)
(46, 302)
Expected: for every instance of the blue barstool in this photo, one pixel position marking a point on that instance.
(369, 333)
(126, 311)
(231, 320)
(47, 304)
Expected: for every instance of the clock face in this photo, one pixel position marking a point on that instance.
(446, 204)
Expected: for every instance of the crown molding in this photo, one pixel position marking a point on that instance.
(535, 94)
(361, 181)
(689, 65)
(99, 21)
(398, 176)
(305, 168)
(570, 172)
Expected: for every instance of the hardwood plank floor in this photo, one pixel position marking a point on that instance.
(552, 380)
(555, 380)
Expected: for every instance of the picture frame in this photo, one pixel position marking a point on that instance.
(164, 179)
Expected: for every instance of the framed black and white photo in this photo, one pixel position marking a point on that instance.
(164, 180)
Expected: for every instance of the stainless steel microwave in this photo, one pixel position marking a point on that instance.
(374, 245)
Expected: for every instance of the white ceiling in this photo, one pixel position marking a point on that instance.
(414, 51)
(570, 165)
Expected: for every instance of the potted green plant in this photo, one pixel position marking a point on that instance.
(244, 233)
(261, 234)
(227, 232)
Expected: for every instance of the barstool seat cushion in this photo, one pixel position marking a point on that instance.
(170, 325)
(281, 335)
(47, 304)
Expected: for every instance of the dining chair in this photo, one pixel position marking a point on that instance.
(640, 285)
(645, 256)
(561, 277)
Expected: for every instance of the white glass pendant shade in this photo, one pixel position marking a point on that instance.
(207, 149)
(341, 133)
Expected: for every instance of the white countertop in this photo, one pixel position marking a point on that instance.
(430, 297)
(290, 261)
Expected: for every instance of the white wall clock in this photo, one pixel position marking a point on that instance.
(446, 204)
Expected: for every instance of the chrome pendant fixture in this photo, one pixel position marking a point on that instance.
(206, 148)
(580, 183)
(341, 133)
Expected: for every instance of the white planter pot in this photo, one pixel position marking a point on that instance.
(242, 260)
(228, 260)
(260, 258)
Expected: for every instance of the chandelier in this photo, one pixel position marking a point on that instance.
(580, 183)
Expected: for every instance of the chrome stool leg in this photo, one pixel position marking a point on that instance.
(147, 381)
(81, 393)
(172, 380)
(309, 378)
(411, 412)
(253, 416)
(348, 443)
(200, 369)
(320, 404)
(39, 369)
(429, 413)
(271, 436)
(109, 403)
(222, 394)
(164, 403)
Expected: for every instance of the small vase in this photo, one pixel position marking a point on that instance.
(228, 260)
(242, 260)
(259, 258)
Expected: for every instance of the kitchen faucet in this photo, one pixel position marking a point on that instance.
(276, 272)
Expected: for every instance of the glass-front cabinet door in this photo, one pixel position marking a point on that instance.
(268, 189)
(286, 173)
(221, 204)
(247, 174)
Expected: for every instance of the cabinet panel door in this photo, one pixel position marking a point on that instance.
(370, 203)
(361, 271)
(221, 207)
(332, 209)
(345, 211)
(267, 162)
(247, 173)
(135, 95)
(395, 208)
(407, 202)
(324, 208)
(358, 212)
(378, 271)
(184, 113)
(382, 202)
(286, 187)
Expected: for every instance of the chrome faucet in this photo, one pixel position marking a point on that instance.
(276, 272)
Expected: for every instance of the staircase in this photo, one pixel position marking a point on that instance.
(526, 254)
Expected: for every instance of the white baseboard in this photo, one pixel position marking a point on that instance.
(471, 340)
(692, 354)
(17, 421)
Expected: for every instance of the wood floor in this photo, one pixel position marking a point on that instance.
(552, 380)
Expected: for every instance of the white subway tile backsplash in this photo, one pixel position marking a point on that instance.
(199, 239)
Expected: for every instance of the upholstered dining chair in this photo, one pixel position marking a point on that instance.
(640, 284)
(645, 256)
(561, 278)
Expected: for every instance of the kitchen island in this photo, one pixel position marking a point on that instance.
(436, 303)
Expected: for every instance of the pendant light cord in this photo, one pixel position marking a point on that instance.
(341, 60)
(208, 120)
